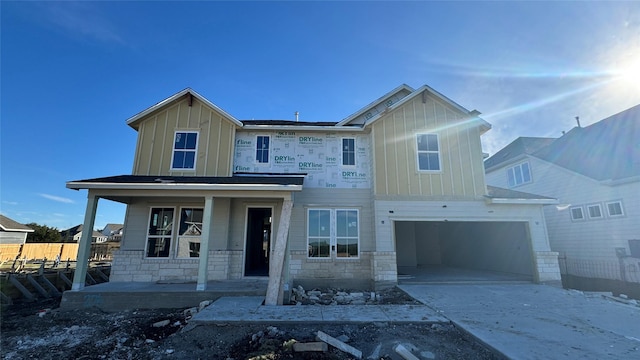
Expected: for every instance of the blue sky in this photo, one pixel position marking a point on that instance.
(73, 72)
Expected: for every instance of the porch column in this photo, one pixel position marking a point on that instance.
(84, 247)
(276, 263)
(207, 224)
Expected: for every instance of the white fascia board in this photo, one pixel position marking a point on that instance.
(176, 96)
(610, 182)
(375, 103)
(16, 230)
(483, 124)
(522, 201)
(173, 186)
(302, 128)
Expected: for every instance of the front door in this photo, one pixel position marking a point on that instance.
(256, 262)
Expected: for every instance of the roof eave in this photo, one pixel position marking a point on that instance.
(302, 128)
(374, 103)
(510, 201)
(16, 230)
(177, 186)
(483, 124)
(132, 120)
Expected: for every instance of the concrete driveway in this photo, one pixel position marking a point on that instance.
(529, 321)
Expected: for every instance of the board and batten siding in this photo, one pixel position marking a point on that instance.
(395, 152)
(156, 133)
(589, 239)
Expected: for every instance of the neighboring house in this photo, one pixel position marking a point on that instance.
(74, 234)
(12, 232)
(594, 172)
(400, 183)
(113, 232)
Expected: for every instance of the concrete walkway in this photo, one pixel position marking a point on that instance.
(250, 309)
(529, 321)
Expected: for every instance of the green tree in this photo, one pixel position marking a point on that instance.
(43, 234)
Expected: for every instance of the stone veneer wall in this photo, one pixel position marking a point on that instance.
(547, 267)
(302, 267)
(385, 268)
(132, 266)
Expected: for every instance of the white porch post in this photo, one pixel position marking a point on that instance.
(207, 224)
(276, 262)
(84, 248)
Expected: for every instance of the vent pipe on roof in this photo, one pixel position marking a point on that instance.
(578, 120)
(296, 114)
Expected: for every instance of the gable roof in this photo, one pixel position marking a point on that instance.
(484, 126)
(7, 224)
(134, 120)
(519, 146)
(113, 227)
(605, 150)
(397, 93)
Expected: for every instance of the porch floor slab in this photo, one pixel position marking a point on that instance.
(118, 296)
(250, 310)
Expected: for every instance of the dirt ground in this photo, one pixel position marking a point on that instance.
(29, 333)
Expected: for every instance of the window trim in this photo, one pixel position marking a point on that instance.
(148, 236)
(343, 151)
(195, 150)
(438, 152)
(330, 233)
(178, 236)
(268, 150)
(599, 206)
(519, 167)
(609, 210)
(333, 233)
(583, 218)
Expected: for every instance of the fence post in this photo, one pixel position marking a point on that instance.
(621, 253)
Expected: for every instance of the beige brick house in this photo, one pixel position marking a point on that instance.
(400, 183)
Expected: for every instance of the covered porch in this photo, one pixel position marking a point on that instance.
(119, 296)
(152, 251)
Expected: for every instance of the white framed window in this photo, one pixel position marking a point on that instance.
(262, 149)
(159, 232)
(428, 146)
(348, 151)
(185, 147)
(594, 211)
(577, 214)
(189, 231)
(519, 174)
(614, 209)
(333, 233)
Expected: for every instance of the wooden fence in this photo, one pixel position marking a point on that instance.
(49, 251)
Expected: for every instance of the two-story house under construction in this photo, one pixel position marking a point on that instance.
(400, 183)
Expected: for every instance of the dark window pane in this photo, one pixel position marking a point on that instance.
(191, 141)
(189, 160)
(161, 221)
(181, 141)
(178, 160)
(434, 164)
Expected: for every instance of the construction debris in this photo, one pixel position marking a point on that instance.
(404, 352)
(316, 346)
(339, 344)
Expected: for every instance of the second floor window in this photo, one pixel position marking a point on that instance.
(262, 150)
(428, 152)
(519, 174)
(348, 151)
(184, 150)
